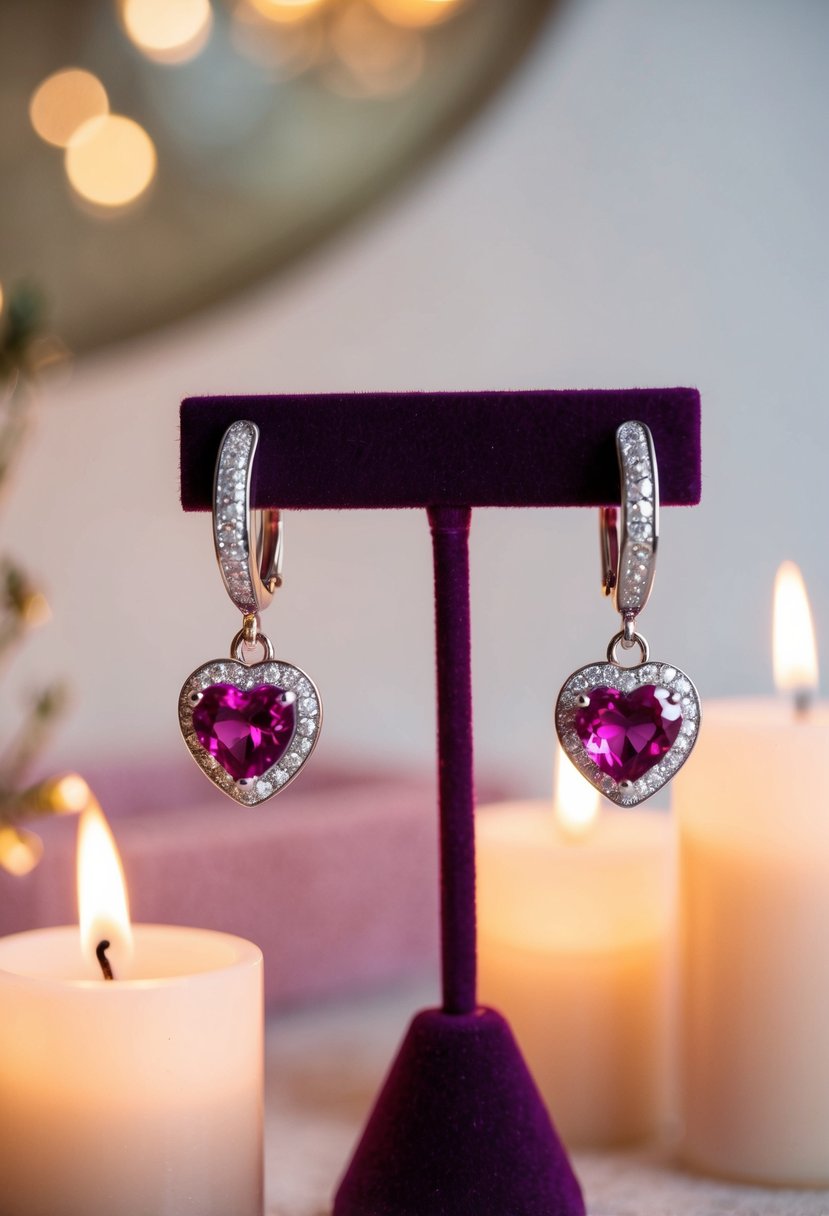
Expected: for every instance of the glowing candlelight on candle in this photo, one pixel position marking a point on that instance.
(795, 651)
(147, 1091)
(102, 895)
(576, 803)
(754, 849)
(575, 909)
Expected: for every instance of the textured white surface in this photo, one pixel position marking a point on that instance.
(324, 1067)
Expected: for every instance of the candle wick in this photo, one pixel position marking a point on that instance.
(100, 954)
(803, 699)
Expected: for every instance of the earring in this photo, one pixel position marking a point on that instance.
(628, 729)
(249, 726)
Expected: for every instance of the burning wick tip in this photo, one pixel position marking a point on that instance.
(100, 954)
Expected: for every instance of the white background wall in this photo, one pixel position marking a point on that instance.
(644, 205)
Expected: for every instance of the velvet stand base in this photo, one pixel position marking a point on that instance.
(459, 1129)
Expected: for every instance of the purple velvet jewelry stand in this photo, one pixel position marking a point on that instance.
(459, 1128)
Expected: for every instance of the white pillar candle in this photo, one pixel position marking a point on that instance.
(754, 850)
(139, 1095)
(754, 874)
(573, 937)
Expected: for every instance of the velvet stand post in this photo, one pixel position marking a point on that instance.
(459, 1128)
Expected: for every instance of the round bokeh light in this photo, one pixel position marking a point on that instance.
(64, 102)
(110, 161)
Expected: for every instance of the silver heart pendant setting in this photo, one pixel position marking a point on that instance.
(628, 729)
(250, 728)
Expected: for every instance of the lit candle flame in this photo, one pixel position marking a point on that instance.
(102, 892)
(795, 651)
(576, 803)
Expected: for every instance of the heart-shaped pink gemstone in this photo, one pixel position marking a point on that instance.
(246, 731)
(626, 734)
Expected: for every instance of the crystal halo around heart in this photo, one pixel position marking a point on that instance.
(297, 737)
(672, 694)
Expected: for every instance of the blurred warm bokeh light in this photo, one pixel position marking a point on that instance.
(110, 161)
(36, 610)
(68, 794)
(271, 121)
(288, 12)
(286, 49)
(379, 60)
(64, 102)
(169, 31)
(20, 851)
(417, 13)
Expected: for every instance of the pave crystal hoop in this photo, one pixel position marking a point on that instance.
(249, 726)
(629, 534)
(249, 544)
(628, 729)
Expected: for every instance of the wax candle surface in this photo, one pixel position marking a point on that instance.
(754, 874)
(138, 1097)
(573, 950)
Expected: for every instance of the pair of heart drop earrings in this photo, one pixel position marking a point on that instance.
(251, 726)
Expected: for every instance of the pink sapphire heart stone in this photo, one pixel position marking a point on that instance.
(626, 734)
(246, 731)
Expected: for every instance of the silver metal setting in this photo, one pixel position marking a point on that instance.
(296, 684)
(249, 545)
(629, 536)
(241, 643)
(636, 639)
(681, 692)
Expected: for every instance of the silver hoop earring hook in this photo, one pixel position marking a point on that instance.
(249, 544)
(629, 534)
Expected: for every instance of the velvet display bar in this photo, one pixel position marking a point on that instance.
(521, 449)
(459, 1128)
